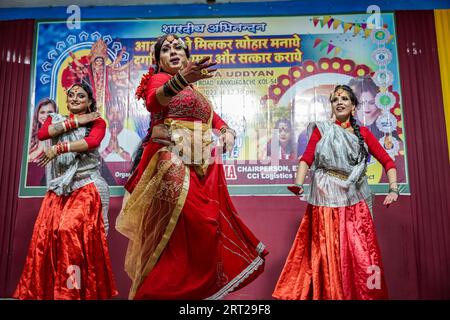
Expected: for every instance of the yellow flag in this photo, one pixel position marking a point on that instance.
(357, 28)
(326, 19)
(337, 50)
(336, 23)
(347, 26)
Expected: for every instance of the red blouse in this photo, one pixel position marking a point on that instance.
(153, 105)
(94, 138)
(375, 148)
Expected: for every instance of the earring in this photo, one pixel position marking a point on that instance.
(353, 113)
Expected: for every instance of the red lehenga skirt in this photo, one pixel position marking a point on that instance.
(335, 255)
(68, 255)
(210, 251)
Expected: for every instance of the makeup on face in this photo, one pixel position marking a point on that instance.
(78, 100)
(367, 111)
(172, 56)
(342, 105)
(44, 111)
(284, 131)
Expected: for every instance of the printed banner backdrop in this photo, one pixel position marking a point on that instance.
(275, 76)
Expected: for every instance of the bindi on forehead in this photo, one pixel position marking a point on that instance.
(170, 40)
(76, 90)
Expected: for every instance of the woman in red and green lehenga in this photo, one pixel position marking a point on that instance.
(186, 240)
(335, 254)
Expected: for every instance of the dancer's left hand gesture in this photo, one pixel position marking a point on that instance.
(227, 141)
(390, 198)
(47, 156)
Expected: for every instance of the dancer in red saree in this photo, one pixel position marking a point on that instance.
(186, 240)
(68, 255)
(335, 254)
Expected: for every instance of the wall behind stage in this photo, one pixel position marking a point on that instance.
(412, 233)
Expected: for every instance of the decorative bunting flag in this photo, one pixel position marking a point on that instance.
(326, 19)
(330, 22)
(357, 29)
(347, 26)
(336, 23)
(323, 45)
(315, 21)
(316, 42)
(330, 47)
(337, 51)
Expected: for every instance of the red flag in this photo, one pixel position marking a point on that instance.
(316, 42)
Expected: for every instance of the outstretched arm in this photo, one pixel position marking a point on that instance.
(189, 74)
(388, 164)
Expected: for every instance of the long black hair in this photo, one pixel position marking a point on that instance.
(92, 107)
(362, 156)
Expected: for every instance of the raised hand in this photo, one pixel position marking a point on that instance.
(198, 70)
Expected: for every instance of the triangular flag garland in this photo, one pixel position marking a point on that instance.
(324, 44)
(357, 27)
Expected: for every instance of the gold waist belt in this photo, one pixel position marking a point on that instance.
(336, 174)
(191, 138)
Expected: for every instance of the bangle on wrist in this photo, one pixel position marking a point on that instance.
(175, 85)
(182, 79)
(75, 121)
(394, 190)
(61, 148)
(168, 91)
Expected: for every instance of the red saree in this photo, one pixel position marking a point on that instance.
(68, 254)
(186, 240)
(335, 255)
